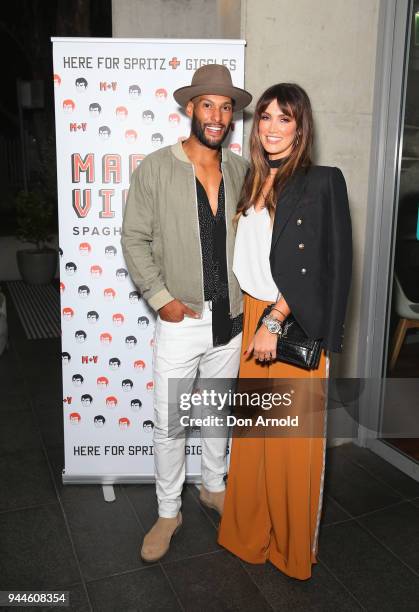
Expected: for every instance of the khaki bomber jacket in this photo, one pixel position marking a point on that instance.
(160, 232)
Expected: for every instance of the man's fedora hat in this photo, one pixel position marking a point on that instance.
(213, 79)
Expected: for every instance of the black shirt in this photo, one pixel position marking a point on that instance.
(213, 234)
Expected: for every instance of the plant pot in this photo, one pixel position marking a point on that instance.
(37, 267)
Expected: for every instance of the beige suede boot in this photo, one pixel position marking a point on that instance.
(212, 500)
(156, 542)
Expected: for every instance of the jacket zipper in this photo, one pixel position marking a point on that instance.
(199, 240)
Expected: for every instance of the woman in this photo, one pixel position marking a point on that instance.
(293, 249)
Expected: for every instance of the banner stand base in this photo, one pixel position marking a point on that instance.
(113, 479)
(108, 493)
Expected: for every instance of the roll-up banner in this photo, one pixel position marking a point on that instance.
(113, 106)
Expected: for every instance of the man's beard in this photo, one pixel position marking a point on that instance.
(199, 133)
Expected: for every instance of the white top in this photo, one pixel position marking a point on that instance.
(251, 255)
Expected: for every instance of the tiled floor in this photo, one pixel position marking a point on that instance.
(56, 537)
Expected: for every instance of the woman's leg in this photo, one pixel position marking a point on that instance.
(245, 527)
(275, 483)
(294, 469)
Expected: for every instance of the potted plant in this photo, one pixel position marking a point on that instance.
(35, 224)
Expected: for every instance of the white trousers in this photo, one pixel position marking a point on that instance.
(180, 350)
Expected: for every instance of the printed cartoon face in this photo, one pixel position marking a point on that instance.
(68, 313)
(114, 363)
(127, 384)
(111, 401)
(136, 405)
(105, 338)
(57, 80)
(143, 322)
(134, 297)
(65, 357)
(110, 251)
(95, 271)
(124, 423)
(148, 426)
(148, 117)
(174, 119)
(81, 84)
(62, 288)
(95, 109)
(109, 294)
(121, 113)
(84, 248)
(70, 268)
(83, 291)
(121, 274)
(130, 342)
(86, 400)
(77, 380)
(104, 132)
(118, 319)
(235, 147)
(134, 92)
(139, 364)
(156, 139)
(99, 420)
(80, 336)
(102, 382)
(74, 418)
(130, 135)
(68, 106)
(150, 385)
(92, 316)
(160, 94)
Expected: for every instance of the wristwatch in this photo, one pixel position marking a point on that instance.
(273, 325)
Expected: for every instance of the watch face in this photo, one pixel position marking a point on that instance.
(273, 326)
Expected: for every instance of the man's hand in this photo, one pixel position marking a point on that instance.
(175, 311)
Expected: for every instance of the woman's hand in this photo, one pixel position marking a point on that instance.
(263, 345)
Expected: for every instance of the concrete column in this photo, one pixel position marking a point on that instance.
(329, 48)
(176, 18)
(229, 18)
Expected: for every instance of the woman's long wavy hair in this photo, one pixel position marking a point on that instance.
(293, 102)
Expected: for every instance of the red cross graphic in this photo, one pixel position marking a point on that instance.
(174, 63)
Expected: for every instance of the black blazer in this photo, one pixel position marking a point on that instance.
(311, 252)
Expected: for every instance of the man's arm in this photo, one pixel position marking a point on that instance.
(137, 238)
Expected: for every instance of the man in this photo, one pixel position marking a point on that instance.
(178, 242)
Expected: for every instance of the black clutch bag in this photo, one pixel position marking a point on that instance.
(293, 345)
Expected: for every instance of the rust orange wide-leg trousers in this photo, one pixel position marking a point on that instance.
(275, 484)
